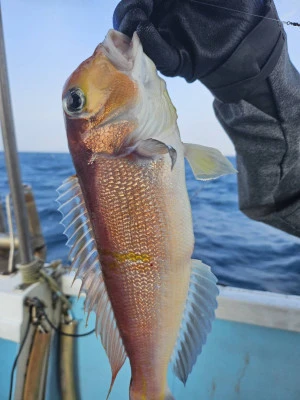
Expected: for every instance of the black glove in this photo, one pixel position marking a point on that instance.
(196, 41)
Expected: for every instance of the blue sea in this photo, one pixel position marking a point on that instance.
(241, 252)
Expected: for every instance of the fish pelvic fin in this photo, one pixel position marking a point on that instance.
(85, 261)
(197, 319)
(206, 162)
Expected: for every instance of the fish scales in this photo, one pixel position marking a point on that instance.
(134, 206)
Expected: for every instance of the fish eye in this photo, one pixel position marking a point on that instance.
(74, 101)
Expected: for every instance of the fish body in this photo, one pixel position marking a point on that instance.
(133, 252)
(145, 254)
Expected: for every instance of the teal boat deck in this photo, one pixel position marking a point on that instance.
(241, 361)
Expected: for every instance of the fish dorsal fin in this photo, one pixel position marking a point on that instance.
(197, 319)
(85, 261)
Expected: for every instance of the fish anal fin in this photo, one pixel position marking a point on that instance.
(198, 316)
(207, 162)
(85, 262)
(97, 300)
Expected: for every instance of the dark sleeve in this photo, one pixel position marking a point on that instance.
(265, 130)
(257, 101)
(268, 150)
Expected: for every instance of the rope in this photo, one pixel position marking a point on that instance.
(31, 272)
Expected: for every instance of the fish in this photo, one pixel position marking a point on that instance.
(128, 218)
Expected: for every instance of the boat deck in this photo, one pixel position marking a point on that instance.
(253, 351)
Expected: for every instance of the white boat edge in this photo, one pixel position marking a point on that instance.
(266, 309)
(271, 310)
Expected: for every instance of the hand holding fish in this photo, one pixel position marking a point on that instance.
(186, 38)
(238, 50)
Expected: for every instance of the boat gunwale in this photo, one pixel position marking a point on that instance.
(258, 308)
(266, 309)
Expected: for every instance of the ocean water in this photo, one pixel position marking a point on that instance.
(241, 252)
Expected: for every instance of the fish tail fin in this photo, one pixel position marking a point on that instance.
(142, 393)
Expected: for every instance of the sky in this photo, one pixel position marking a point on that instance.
(47, 39)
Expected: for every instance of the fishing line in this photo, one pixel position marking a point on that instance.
(196, 192)
(297, 24)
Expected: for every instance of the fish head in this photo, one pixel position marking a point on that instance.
(111, 98)
(97, 99)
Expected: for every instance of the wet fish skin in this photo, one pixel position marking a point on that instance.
(129, 160)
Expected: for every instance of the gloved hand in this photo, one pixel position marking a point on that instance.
(221, 48)
(185, 37)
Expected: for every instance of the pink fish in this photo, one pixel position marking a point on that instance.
(128, 216)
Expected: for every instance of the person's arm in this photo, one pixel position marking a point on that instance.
(244, 62)
(265, 130)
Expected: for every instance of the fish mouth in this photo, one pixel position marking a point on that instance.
(120, 49)
(102, 97)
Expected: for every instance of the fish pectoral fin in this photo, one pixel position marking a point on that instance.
(85, 261)
(198, 316)
(152, 148)
(207, 162)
